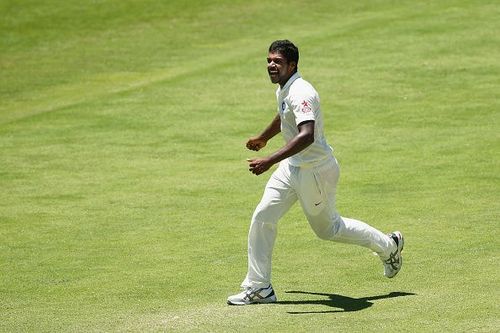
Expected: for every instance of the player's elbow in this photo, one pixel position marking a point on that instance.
(308, 139)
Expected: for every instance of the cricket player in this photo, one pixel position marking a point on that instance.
(308, 173)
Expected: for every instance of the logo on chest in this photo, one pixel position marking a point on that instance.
(282, 107)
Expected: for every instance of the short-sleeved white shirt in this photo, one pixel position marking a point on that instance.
(298, 102)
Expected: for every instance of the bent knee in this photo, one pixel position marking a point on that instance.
(327, 229)
(325, 234)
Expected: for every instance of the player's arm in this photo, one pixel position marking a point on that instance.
(258, 142)
(301, 141)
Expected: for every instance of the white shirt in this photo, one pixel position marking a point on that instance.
(298, 101)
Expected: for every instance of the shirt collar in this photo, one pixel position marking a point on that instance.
(288, 83)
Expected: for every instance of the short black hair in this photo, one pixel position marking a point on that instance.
(287, 49)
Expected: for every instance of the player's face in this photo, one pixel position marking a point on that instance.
(279, 69)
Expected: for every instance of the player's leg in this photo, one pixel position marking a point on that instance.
(317, 197)
(387, 247)
(277, 199)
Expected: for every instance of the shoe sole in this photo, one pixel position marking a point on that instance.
(267, 300)
(401, 243)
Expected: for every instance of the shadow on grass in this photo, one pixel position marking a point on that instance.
(343, 303)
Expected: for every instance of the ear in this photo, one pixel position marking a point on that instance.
(293, 66)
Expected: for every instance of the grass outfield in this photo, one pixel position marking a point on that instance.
(124, 192)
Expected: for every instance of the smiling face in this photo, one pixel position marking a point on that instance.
(279, 69)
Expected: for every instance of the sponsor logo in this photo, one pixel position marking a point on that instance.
(305, 107)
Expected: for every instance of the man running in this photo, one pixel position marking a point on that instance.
(307, 172)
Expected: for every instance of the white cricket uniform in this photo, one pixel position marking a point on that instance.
(309, 177)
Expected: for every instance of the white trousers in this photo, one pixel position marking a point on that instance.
(315, 188)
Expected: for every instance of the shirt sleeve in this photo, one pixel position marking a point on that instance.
(304, 106)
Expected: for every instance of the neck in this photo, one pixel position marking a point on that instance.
(287, 79)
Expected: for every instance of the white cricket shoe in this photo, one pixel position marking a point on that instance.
(393, 264)
(253, 296)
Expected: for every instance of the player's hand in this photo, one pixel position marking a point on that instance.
(258, 166)
(255, 143)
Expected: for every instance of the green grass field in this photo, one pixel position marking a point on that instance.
(125, 198)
